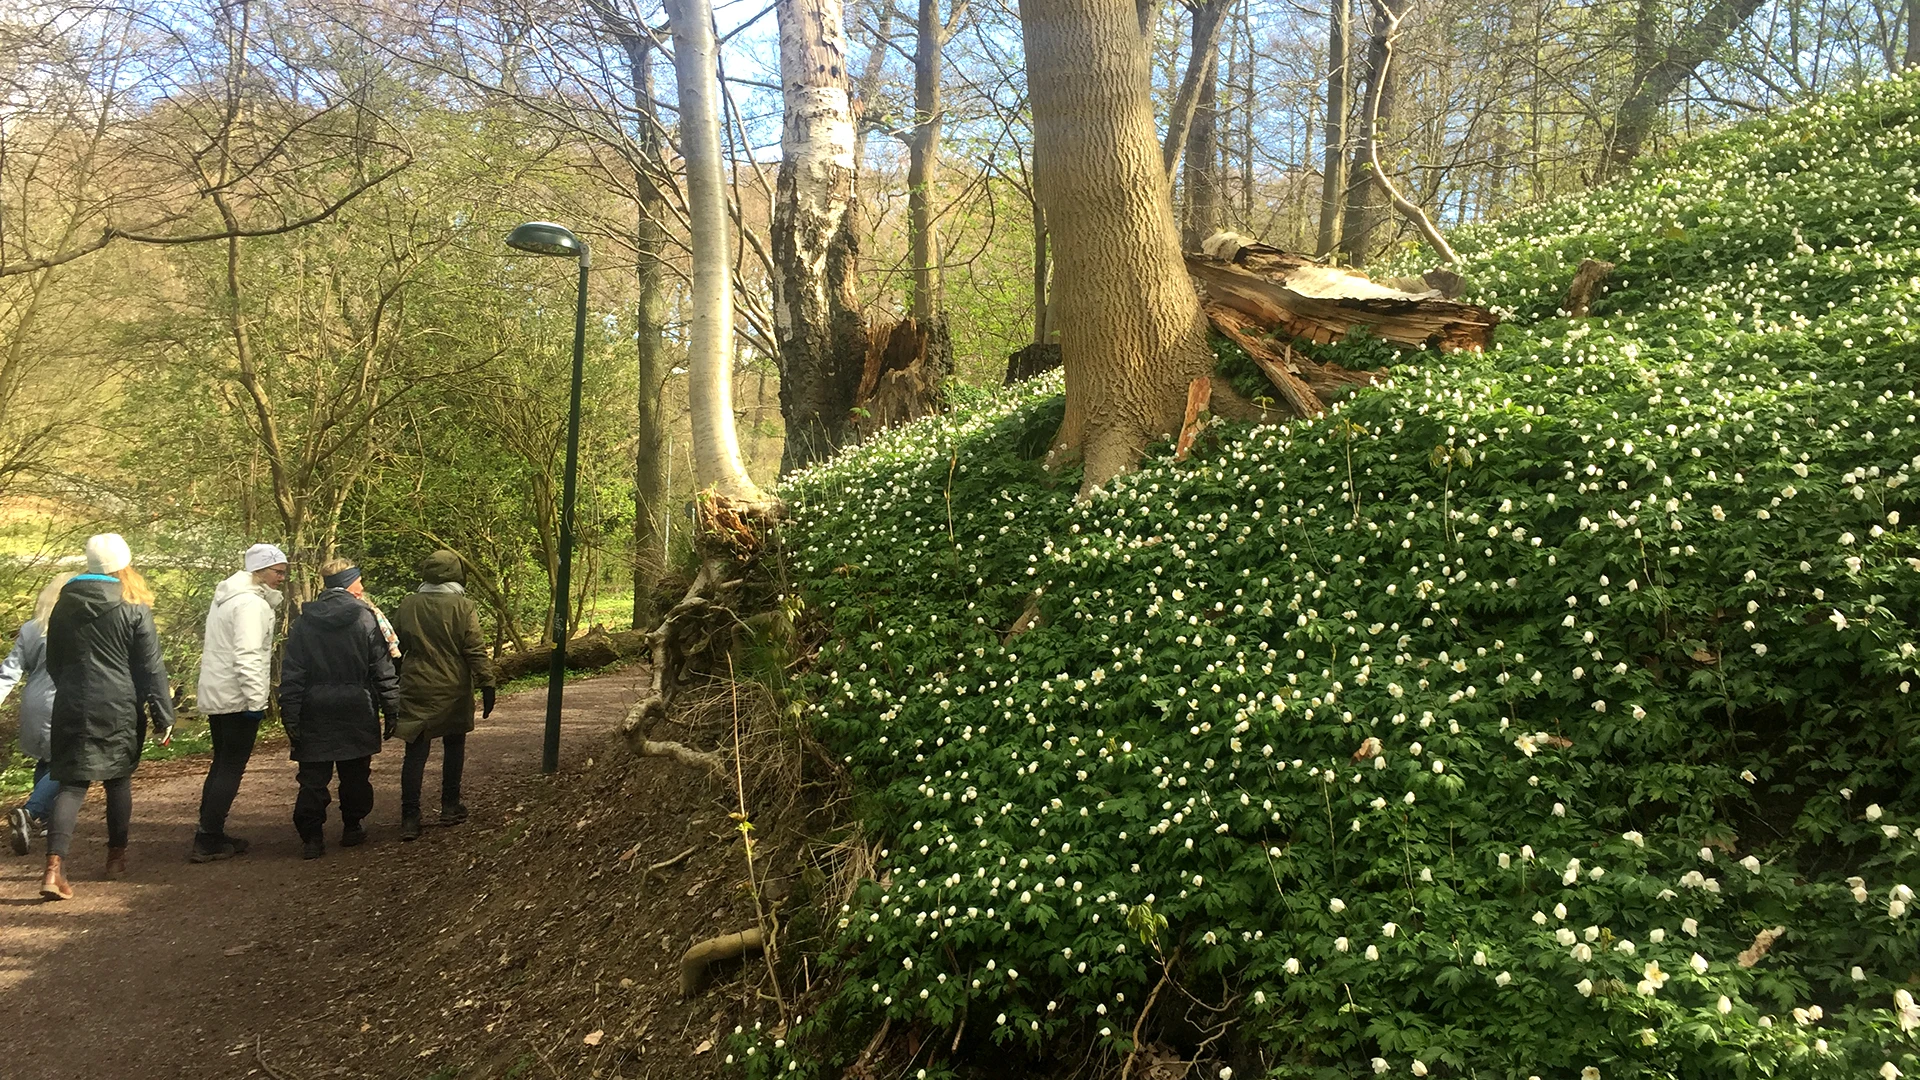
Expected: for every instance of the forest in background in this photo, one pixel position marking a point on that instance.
(252, 283)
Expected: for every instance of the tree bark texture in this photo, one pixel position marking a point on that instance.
(816, 313)
(1202, 163)
(1366, 208)
(650, 178)
(716, 444)
(1203, 67)
(1333, 181)
(1660, 69)
(1131, 333)
(923, 152)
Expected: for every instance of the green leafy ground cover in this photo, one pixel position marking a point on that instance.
(1488, 726)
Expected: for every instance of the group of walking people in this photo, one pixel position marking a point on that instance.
(95, 688)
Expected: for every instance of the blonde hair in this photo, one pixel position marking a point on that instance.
(334, 566)
(49, 596)
(134, 588)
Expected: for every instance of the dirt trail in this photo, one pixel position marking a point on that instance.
(175, 970)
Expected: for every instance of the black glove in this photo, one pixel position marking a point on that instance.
(392, 727)
(486, 701)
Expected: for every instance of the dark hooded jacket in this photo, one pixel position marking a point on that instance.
(336, 680)
(443, 655)
(104, 656)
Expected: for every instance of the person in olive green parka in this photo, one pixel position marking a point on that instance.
(443, 661)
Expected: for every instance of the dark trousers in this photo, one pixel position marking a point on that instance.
(413, 772)
(233, 737)
(356, 794)
(66, 814)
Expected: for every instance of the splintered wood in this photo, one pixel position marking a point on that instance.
(1293, 295)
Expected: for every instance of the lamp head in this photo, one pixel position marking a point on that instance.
(545, 238)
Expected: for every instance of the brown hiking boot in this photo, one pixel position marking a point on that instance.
(116, 863)
(54, 886)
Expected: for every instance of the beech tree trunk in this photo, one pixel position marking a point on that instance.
(1203, 66)
(1333, 182)
(1660, 69)
(816, 313)
(716, 444)
(1132, 335)
(1202, 163)
(1366, 207)
(650, 178)
(923, 152)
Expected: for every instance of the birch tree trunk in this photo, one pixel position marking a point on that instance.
(816, 313)
(1131, 333)
(716, 444)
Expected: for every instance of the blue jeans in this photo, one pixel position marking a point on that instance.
(45, 787)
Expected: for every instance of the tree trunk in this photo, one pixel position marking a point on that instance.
(816, 314)
(1366, 207)
(1203, 67)
(923, 150)
(716, 444)
(650, 280)
(1131, 332)
(1202, 161)
(1911, 57)
(1659, 70)
(1041, 323)
(1333, 183)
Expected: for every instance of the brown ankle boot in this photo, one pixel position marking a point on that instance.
(116, 862)
(54, 886)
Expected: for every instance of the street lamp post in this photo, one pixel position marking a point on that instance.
(546, 238)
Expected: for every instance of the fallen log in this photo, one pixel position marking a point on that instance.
(591, 651)
(1296, 297)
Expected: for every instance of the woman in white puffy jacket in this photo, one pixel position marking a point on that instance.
(236, 678)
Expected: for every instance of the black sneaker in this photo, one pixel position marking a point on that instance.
(210, 848)
(239, 846)
(410, 828)
(353, 835)
(20, 830)
(453, 813)
(313, 847)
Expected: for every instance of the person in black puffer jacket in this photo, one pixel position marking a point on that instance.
(336, 684)
(108, 677)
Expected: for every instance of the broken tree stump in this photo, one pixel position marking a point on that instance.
(1297, 297)
(1586, 287)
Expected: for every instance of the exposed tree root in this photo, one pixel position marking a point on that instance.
(696, 963)
(714, 764)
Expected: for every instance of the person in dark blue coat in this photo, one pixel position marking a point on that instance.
(336, 684)
(109, 679)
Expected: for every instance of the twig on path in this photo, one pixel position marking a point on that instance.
(259, 1055)
(664, 863)
(1166, 976)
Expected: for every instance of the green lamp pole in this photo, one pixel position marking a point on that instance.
(546, 238)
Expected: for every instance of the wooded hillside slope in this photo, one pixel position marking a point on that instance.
(1543, 713)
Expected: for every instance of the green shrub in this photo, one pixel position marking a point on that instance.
(1486, 726)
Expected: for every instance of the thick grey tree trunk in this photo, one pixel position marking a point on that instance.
(716, 444)
(1333, 183)
(1131, 334)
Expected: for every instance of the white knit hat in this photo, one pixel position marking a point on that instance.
(108, 553)
(261, 556)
